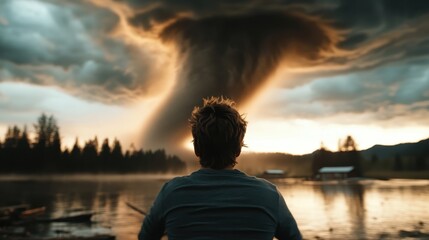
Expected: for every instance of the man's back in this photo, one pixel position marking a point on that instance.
(219, 204)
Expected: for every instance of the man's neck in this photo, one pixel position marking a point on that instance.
(230, 167)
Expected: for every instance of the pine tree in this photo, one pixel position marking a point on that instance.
(105, 152)
(47, 132)
(1, 152)
(89, 152)
(55, 146)
(117, 155)
(76, 152)
(90, 155)
(12, 137)
(348, 145)
(23, 148)
(24, 141)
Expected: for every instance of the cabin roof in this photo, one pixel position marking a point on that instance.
(342, 169)
(274, 171)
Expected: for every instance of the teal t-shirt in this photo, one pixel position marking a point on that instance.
(219, 204)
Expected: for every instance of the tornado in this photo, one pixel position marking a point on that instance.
(231, 56)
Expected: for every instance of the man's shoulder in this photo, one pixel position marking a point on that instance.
(236, 178)
(262, 182)
(177, 180)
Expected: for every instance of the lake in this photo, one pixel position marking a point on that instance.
(368, 209)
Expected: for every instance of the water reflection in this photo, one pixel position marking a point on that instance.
(360, 210)
(342, 199)
(106, 198)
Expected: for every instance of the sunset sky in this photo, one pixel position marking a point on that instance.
(303, 72)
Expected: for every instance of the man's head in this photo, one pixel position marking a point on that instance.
(218, 131)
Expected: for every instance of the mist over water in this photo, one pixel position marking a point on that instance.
(361, 210)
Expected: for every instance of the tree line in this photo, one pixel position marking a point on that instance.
(20, 154)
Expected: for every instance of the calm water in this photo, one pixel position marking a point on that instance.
(365, 210)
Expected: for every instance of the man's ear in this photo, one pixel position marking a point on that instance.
(196, 148)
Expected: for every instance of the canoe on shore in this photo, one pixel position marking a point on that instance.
(16, 213)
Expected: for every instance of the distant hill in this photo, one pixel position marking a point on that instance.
(403, 149)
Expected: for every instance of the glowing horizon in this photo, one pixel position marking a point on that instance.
(297, 136)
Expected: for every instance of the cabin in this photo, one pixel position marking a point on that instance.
(273, 173)
(335, 173)
(336, 165)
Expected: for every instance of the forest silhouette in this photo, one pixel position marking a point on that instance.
(43, 154)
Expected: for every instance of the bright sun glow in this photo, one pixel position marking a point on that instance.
(306, 136)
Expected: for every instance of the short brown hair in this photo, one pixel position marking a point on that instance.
(218, 131)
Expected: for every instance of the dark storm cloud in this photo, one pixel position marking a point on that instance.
(385, 93)
(43, 33)
(68, 44)
(222, 55)
(375, 34)
(366, 19)
(385, 75)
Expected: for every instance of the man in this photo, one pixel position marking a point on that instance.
(218, 201)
